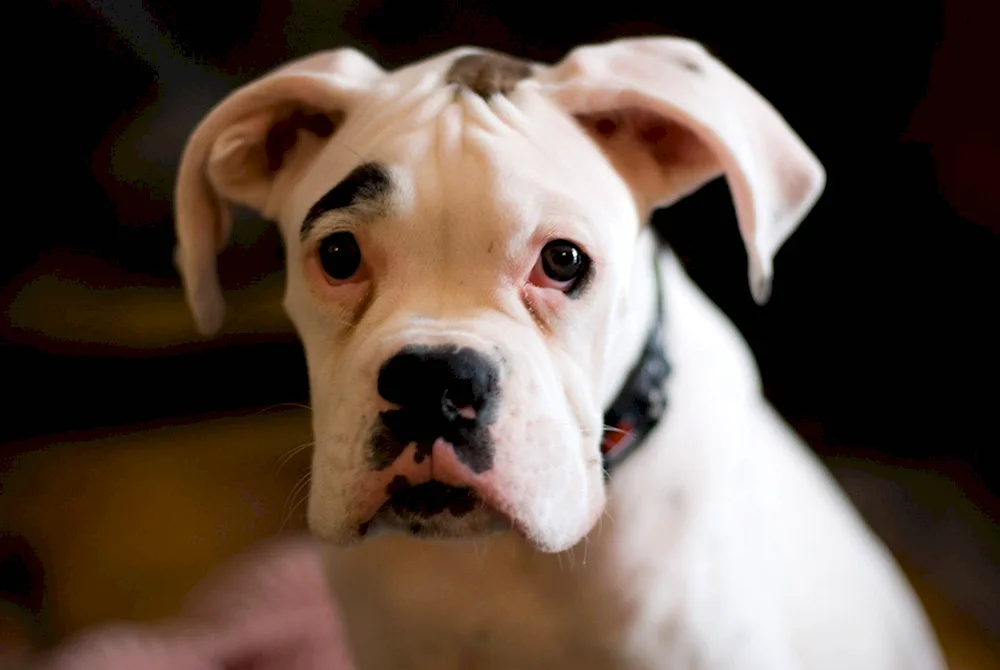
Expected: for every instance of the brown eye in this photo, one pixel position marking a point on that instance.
(563, 261)
(340, 255)
(561, 266)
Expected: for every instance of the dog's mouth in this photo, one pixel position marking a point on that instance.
(430, 499)
(435, 509)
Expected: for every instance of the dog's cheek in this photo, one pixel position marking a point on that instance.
(318, 325)
(339, 471)
(548, 463)
(553, 312)
(343, 403)
(342, 305)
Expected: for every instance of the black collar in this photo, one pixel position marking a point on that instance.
(642, 401)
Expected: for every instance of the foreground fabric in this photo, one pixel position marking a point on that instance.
(267, 609)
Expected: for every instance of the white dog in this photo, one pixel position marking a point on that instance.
(488, 321)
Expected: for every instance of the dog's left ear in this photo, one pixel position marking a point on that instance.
(248, 149)
(671, 117)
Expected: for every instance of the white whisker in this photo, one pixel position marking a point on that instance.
(281, 405)
(291, 453)
(290, 501)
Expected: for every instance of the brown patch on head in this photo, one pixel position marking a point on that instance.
(488, 73)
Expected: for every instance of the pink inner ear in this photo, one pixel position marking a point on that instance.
(605, 127)
(670, 143)
(283, 135)
(667, 142)
(661, 159)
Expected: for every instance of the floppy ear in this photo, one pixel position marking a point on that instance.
(671, 117)
(243, 151)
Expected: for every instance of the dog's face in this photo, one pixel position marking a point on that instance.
(455, 304)
(460, 251)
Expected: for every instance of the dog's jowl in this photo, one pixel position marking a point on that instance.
(538, 444)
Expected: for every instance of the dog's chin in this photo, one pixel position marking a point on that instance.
(437, 511)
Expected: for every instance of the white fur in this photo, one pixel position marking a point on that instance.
(722, 543)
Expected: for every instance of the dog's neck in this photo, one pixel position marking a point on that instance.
(634, 318)
(636, 401)
(642, 401)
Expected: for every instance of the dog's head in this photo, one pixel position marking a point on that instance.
(461, 237)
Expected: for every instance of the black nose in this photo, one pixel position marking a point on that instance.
(443, 392)
(457, 385)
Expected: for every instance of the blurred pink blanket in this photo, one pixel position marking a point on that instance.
(267, 609)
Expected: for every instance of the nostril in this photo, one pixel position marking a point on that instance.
(398, 376)
(454, 411)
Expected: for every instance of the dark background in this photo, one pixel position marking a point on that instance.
(880, 344)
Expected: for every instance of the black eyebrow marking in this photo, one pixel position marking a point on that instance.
(368, 183)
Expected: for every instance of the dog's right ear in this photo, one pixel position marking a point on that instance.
(672, 117)
(244, 151)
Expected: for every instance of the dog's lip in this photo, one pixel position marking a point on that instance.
(432, 498)
(481, 501)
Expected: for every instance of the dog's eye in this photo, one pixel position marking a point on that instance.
(561, 265)
(563, 261)
(340, 255)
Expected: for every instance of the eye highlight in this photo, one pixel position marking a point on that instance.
(340, 256)
(562, 266)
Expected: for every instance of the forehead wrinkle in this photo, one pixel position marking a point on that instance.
(499, 177)
(455, 204)
(523, 172)
(453, 185)
(482, 113)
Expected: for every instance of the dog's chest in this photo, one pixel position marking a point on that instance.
(497, 604)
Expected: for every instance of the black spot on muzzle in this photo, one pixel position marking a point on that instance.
(429, 499)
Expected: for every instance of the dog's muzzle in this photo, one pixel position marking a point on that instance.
(436, 441)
